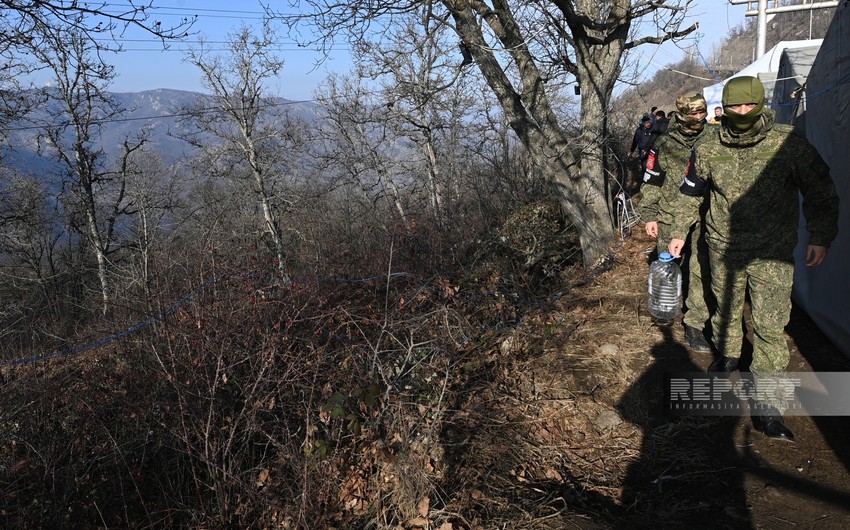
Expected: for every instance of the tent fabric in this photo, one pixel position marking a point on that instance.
(794, 68)
(768, 79)
(824, 292)
(767, 63)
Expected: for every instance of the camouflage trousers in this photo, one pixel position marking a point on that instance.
(696, 253)
(769, 284)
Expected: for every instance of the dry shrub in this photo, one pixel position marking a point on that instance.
(397, 401)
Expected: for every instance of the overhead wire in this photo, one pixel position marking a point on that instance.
(186, 10)
(650, 61)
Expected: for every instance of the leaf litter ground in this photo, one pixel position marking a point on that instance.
(583, 442)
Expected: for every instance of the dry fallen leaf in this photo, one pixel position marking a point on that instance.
(418, 521)
(551, 474)
(423, 506)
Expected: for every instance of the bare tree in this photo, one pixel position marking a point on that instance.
(99, 23)
(154, 192)
(80, 105)
(14, 101)
(28, 258)
(358, 147)
(255, 138)
(21, 19)
(513, 47)
(425, 96)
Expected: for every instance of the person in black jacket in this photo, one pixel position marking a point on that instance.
(641, 141)
(639, 149)
(659, 128)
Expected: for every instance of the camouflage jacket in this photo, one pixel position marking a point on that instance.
(754, 202)
(674, 151)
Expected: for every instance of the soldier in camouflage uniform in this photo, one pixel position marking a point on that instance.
(756, 169)
(673, 159)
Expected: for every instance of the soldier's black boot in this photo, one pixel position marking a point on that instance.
(723, 365)
(696, 340)
(772, 426)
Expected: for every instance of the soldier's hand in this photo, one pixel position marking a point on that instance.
(651, 228)
(815, 254)
(675, 247)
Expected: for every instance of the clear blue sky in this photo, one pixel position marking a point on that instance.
(144, 65)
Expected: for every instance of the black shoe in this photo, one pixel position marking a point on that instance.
(773, 427)
(724, 365)
(696, 340)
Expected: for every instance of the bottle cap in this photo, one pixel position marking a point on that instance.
(665, 257)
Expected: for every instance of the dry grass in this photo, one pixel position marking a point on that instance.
(417, 419)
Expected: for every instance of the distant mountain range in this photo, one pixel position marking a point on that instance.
(154, 110)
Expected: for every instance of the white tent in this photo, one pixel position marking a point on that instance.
(824, 292)
(787, 100)
(765, 68)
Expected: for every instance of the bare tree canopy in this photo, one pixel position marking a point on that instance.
(27, 25)
(254, 142)
(21, 19)
(526, 51)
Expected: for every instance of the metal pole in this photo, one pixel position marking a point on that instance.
(811, 16)
(761, 44)
(763, 11)
(792, 8)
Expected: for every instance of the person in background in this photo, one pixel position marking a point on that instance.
(641, 140)
(718, 113)
(659, 127)
(673, 159)
(757, 170)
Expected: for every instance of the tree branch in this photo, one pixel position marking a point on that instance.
(661, 39)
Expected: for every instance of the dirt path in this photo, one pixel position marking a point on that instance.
(564, 427)
(722, 473)
(805, 484)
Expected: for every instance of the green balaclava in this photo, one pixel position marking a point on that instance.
(687, 105)
(739, 91)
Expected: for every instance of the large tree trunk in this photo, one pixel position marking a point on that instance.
(85, 176)
(270, 222)
(434, 187)
(99, 252)
(597, 68)
(529, 113)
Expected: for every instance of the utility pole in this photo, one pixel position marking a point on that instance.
(760, 9)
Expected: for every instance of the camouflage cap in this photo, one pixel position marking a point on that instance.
(687, 105)
(690, 103)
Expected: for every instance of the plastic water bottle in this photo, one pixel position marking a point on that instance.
(665, 288)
